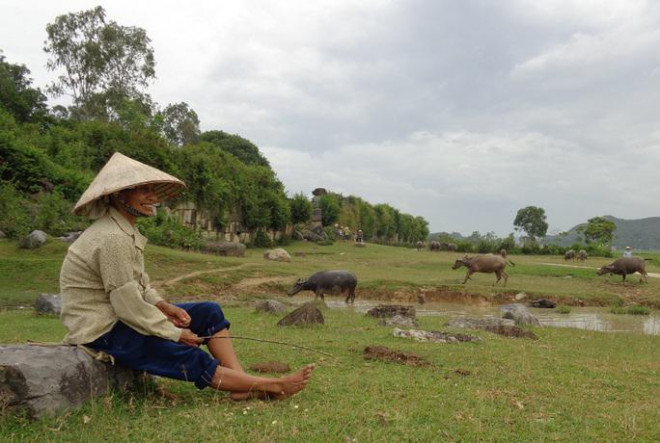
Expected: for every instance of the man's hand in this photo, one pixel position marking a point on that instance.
(189, 338)
(175, 314)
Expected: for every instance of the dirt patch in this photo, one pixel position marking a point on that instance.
(249, 283)
(270, 367)
(386, 354)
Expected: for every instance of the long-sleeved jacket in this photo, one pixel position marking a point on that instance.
(103, 281)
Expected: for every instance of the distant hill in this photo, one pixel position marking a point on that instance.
(643, 233)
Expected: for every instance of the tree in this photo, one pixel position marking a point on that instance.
(16, 93)
(531, 220)
(180, 124)
(330, 208)
(301, 209)
(243, 149)
(103, 61)
(599, 230)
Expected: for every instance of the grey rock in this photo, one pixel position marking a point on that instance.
(479, 323)
(3, 235)
(34, 240)
(399, 320)
(271, 306)
(46, 380)
(389, 311)
(307, 314)
(70, 237)
(520, 296)
(226, 248)
(48, 304)
(520, 315)
(434, 336)
(277, 254)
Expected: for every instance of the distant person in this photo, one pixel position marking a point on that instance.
(359, 237)
(627, 252)
(109, 305)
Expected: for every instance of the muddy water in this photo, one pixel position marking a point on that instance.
(589, 318)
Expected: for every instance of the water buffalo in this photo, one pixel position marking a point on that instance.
(328, 282)
(624, 266)
(420, 246)
(582, 255)
(434, 246)
(487, 263)
(569, 255)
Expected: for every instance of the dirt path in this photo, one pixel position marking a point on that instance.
(251, 282)
(650, 274)
(196, 273)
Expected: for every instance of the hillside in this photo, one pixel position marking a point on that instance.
(643, 233)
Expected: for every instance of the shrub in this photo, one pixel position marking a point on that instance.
(261, 240)
(563, 309)
(165, 230)
(15, 220)
(631, 310)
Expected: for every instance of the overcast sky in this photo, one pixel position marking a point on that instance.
(459, 111)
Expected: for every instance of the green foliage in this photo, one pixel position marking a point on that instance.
(103, 62)
(532, 221)
(330, 205)
(563, 309)
(599, 230)
(15, 220)
(242, 149)
(54, 216)
(261, 240)
(17, 96)
(179, 124)
(164, 230)
(301, 209)
(631, 310)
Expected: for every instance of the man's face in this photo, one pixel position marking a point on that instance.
(143, 198)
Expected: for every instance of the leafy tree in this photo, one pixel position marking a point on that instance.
(103, 61)
(301, 209)
(17, 96)
(330, 208)
(599, 230)
(243, 149)
(180, 124)
(531, 220)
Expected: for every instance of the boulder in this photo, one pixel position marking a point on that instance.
(48, 304)
(307, 314)
(46, 380)
(34, 240)
(271, 306)
(434, 336)
(277, 254)
(70, 237)
(399, 320)
(520, 315)
(226, 248)
(389, 311)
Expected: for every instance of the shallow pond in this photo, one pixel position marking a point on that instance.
(590, 318)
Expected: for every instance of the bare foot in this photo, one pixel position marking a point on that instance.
(292, 384)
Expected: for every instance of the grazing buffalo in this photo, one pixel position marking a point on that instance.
(448, 246)
(487, 263)
(624, 266)
(420, 246)
(582, 255)
(434, 246)
(328, 282)
(569, 255)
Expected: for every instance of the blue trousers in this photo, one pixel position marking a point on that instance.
(163, 357)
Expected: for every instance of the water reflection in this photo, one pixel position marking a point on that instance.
(589, 318)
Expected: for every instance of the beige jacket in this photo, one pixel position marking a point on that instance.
(103, 281)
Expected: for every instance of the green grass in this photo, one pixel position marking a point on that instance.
(631, 310)
(569, 385)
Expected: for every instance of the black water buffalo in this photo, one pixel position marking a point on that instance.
(582, 255)
(328, 282)
(487, 263)
(569, 255)
(434, 246)
(624, 266)
(420, 245)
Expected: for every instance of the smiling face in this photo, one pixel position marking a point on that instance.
(136, 202)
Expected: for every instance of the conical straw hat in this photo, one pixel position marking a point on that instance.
(123, 172)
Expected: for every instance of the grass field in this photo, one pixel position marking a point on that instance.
(570, 385)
